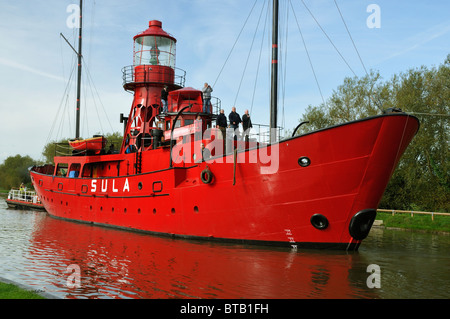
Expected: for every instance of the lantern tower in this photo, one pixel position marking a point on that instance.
(153, 68)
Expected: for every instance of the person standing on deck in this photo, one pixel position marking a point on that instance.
(235, 120)
(164, 95)
(206, 97)
(246, 124)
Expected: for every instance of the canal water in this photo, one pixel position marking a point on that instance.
(77, 261)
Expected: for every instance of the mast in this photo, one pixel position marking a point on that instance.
(274, 81)
(80, 56)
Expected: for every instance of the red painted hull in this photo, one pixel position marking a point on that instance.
(350, 167)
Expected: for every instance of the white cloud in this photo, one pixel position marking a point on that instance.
(26, 68)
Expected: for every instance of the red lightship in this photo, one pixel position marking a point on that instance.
(317, 190)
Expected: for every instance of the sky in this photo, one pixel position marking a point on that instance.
(215, 45)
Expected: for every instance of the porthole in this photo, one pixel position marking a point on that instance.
(154, 211)
(196, 209)
(139, 210)
(173, 210)
(319, 221)
(140, 185)
(304, 161)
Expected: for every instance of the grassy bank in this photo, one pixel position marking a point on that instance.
(10, 291)
(416, 222)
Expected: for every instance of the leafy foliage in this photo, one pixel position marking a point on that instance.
(14, 171)
(422, 179)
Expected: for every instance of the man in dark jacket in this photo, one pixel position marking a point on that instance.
(246, 124)
(222, 124)
(164, 95)
(235, 120)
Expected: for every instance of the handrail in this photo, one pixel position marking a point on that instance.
(129, 77)
(263, 133)
(394, 211)
(24, 196)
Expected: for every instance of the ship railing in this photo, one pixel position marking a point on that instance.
(214, 107)
(262, 134)
(130, 77)
(23, 196)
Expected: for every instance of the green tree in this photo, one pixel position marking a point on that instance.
(14, 171)
(422, 179)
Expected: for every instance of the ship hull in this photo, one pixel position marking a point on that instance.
(323, 191)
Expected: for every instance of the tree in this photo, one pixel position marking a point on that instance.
(14, 171)
(422, 179)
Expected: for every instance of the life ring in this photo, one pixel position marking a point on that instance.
(206, 176)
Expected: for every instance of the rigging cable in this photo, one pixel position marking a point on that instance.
(307, 53)
(359, 56)
(64, 97)
(249, 53)
(259, 59)
(351, 38)
(283, 46)
(237, 39)
(326, 35)
(91, 82)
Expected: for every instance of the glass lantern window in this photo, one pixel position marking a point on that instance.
(154, 50)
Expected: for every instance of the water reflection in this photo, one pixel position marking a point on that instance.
(36, 250)
(121, 264)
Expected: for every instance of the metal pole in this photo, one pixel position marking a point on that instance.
(80, 56)
(274, 86)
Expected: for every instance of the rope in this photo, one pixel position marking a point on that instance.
(429, 114)
(259, 61)
(377, 103)
(351, 38)
(91, 82)
(249, 53)
(237, 39)
(337, 50)
(307, 53)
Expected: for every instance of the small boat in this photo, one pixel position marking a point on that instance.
(23, 199)
(92, 145)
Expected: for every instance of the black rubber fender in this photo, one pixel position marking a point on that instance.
(206, 176)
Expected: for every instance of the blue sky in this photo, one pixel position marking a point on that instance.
(35, 62)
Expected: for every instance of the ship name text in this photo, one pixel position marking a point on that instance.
(109, 185)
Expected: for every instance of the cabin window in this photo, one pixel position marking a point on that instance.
(188, 122)
(87, 170)
(61, 170)
(74, 171)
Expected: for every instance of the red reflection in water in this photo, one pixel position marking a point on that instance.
(120, 264)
